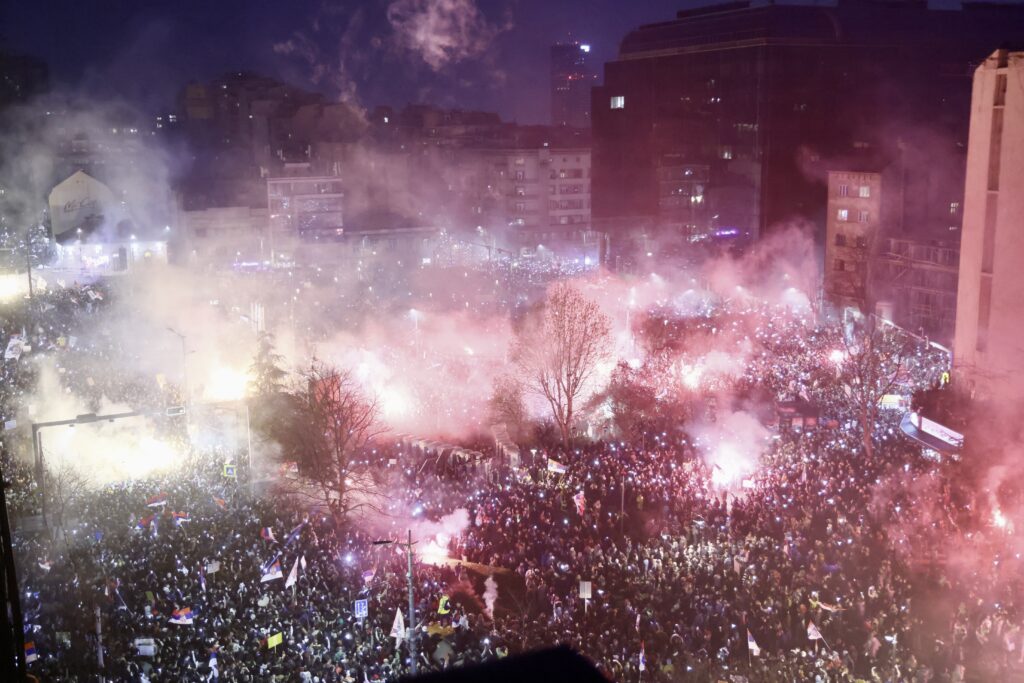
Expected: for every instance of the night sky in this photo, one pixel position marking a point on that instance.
(490, 55)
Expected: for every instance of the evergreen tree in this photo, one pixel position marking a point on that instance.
(268, 376)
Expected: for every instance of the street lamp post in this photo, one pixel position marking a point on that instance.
(412, 602)
(37, 441)
(412, 611)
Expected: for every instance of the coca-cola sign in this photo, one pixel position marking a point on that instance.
(84, 203)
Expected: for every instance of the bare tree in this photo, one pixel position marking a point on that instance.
(507, 406)
(875, 357)
(65, 487)
(328, 426)
(558, 349)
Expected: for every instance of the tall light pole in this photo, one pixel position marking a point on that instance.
(12, 650)
(412, 602)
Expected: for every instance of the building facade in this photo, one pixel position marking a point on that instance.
(530, 196)
(768, 96)
(303, 207)
(21, 77)
(95, 232)
(227, 235)
(875, 262)
(987, 348)
(572, 76)
(917, 285)
(852, 227)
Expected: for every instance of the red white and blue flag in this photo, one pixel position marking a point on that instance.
(581, 503)
(180, 517)
(643, 657)
(182, 616)
(30, 652)
(294, 534)
(145, 522)
(755, 650)
(156, 501)
(272, 572)
(267, 534)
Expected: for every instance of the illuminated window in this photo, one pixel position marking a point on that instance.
(954, 207)
(843, 215)
(619, 102)
(865, 191)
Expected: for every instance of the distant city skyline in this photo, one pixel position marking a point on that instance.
(496, 58)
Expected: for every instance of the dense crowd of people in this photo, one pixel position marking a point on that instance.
(823, 563)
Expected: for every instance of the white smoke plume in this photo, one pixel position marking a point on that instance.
(490, 594)
(442, 32)
(731, 446)
(341, 67)
(102, 452)
(433, 537)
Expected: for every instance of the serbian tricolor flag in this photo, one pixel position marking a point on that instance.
(643, 657)
(368, 575)
(180, 517)
(220, 502)
(555, 466)
(182, 616)
(156, 501)
(267, 534)
(145, 522)
(30, 652)
(272, 572)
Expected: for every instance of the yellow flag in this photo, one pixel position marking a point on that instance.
(443, 607)
(275, 640)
